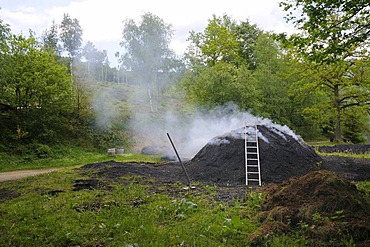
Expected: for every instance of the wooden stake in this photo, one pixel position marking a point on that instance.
(182, 165)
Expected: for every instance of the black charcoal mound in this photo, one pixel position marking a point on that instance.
(282, 156)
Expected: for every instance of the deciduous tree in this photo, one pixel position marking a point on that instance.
(331, 30)
(333, 42)
(71, 35)
(224, 40)
(50, 39)
(34, 87)
(147, 53)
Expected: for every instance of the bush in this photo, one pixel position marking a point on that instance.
(42, 151)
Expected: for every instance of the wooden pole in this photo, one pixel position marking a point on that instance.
(182, 165)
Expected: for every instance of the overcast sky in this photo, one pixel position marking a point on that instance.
(101, 21)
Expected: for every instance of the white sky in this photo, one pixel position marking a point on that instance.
(101, 21)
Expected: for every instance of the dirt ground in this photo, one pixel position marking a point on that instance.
(13, 175)
(349, 168)
(162, 176)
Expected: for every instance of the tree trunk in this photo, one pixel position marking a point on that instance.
(150, 99)
(338, 130)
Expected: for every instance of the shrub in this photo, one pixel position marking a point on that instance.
(42, 151)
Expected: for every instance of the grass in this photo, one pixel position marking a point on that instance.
(126, 215)
(65, 158)
(350, 155)
(45, 210)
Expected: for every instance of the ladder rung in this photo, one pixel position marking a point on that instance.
(252, 165)
(252, 179)
(253, 172)
(251, 159)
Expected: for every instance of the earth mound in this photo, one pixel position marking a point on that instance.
(329, 209)
(282, 156)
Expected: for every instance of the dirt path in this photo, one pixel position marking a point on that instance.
(13, 175)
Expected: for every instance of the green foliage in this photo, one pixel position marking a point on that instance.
(35, 91)
(364, 187)
(215, 78)
(221, 84)
(218, 43)
(110, 138)
(223, 40)
(333, 45)
(50, 39)
(42, 151)
(71, 35)
(356, 124)
(97, 62)
(272, 81)
(334, 92)
(331, 30)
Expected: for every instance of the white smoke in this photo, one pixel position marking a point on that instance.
(104, 106)
(191, 133)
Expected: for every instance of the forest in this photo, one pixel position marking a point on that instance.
(58, 89)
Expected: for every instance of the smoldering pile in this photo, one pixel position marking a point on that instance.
(282, 155)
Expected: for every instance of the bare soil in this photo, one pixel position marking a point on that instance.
(355, 169)
(13, 175)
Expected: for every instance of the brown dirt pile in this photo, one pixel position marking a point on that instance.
(324, 208)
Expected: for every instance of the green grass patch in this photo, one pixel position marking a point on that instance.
(67, 157)
(321, 143)
(350, 155)
(127, 214)
(364, 187)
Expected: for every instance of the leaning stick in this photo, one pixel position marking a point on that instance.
(178, 156)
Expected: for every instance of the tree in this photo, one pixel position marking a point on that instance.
(224, 40)
(4, 31)
(331, 30)
(341, 85)
(34, 87)
(50, 39)
(333, 42)
(221, 84)
(147, 53)
(217, 43)
(71, 35)
(255, 83)
(247, 35)
(271, 66)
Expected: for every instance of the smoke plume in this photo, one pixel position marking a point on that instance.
(191, 133)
